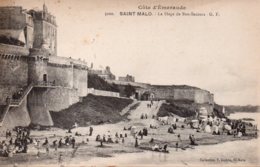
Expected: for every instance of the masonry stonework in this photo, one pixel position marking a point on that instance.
(46, 82)
(17, 116)
(29, 64)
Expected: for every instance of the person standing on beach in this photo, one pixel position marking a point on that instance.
(179, 141)
(60, 142)
(141, 134)
(45, 142)
(165, 148)
(136, 142)
(192, 140)
(60, 158)
(73, 141)
(55, 145)
(179, 137)
(177, 146)
(47, 148)
(90, 131)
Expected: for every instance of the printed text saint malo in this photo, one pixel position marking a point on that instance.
(135, 13)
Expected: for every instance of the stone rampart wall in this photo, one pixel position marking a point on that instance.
(13, 71)
(54, 99)
(43, 100)
(136, 84)
(36, 68)
(192, 94)
(61, 74)
(65, 60)
(103, 93)
(7, 91)
(80, 81)
(202, 96)
(17, 116)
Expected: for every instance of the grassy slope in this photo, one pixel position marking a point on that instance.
(182, 108)
(93, 109)
(185, 108)
(96, 82)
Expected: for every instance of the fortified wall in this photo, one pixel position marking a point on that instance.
(200, 97)
(146, 91)
(55, 86)
(14, 70)
(196, 95)
(34, 80)
(135, 84)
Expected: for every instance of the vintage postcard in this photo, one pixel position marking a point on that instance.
(129, 83)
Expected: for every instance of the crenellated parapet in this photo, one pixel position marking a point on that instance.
(80, 67)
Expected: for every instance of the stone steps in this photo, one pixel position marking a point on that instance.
(13, 103)
(127, 108)
(16, 103)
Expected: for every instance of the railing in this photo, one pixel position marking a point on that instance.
(43, 83)
(17, 102)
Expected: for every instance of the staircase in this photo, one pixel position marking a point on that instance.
(143, 109)
(127, 108)
(13, 103)
(135, 115)
(18, 102)
(157, 106)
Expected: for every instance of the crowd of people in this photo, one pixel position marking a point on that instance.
(15, 143)
(220, 126)
(18, 139)
(17, 95)
(110, 139)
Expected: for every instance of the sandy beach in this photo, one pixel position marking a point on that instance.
(88, 151)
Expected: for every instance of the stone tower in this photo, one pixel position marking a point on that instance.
(45, 30)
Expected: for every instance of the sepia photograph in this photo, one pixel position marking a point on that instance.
(129, 83)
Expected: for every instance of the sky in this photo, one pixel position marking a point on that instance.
(219, 54)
